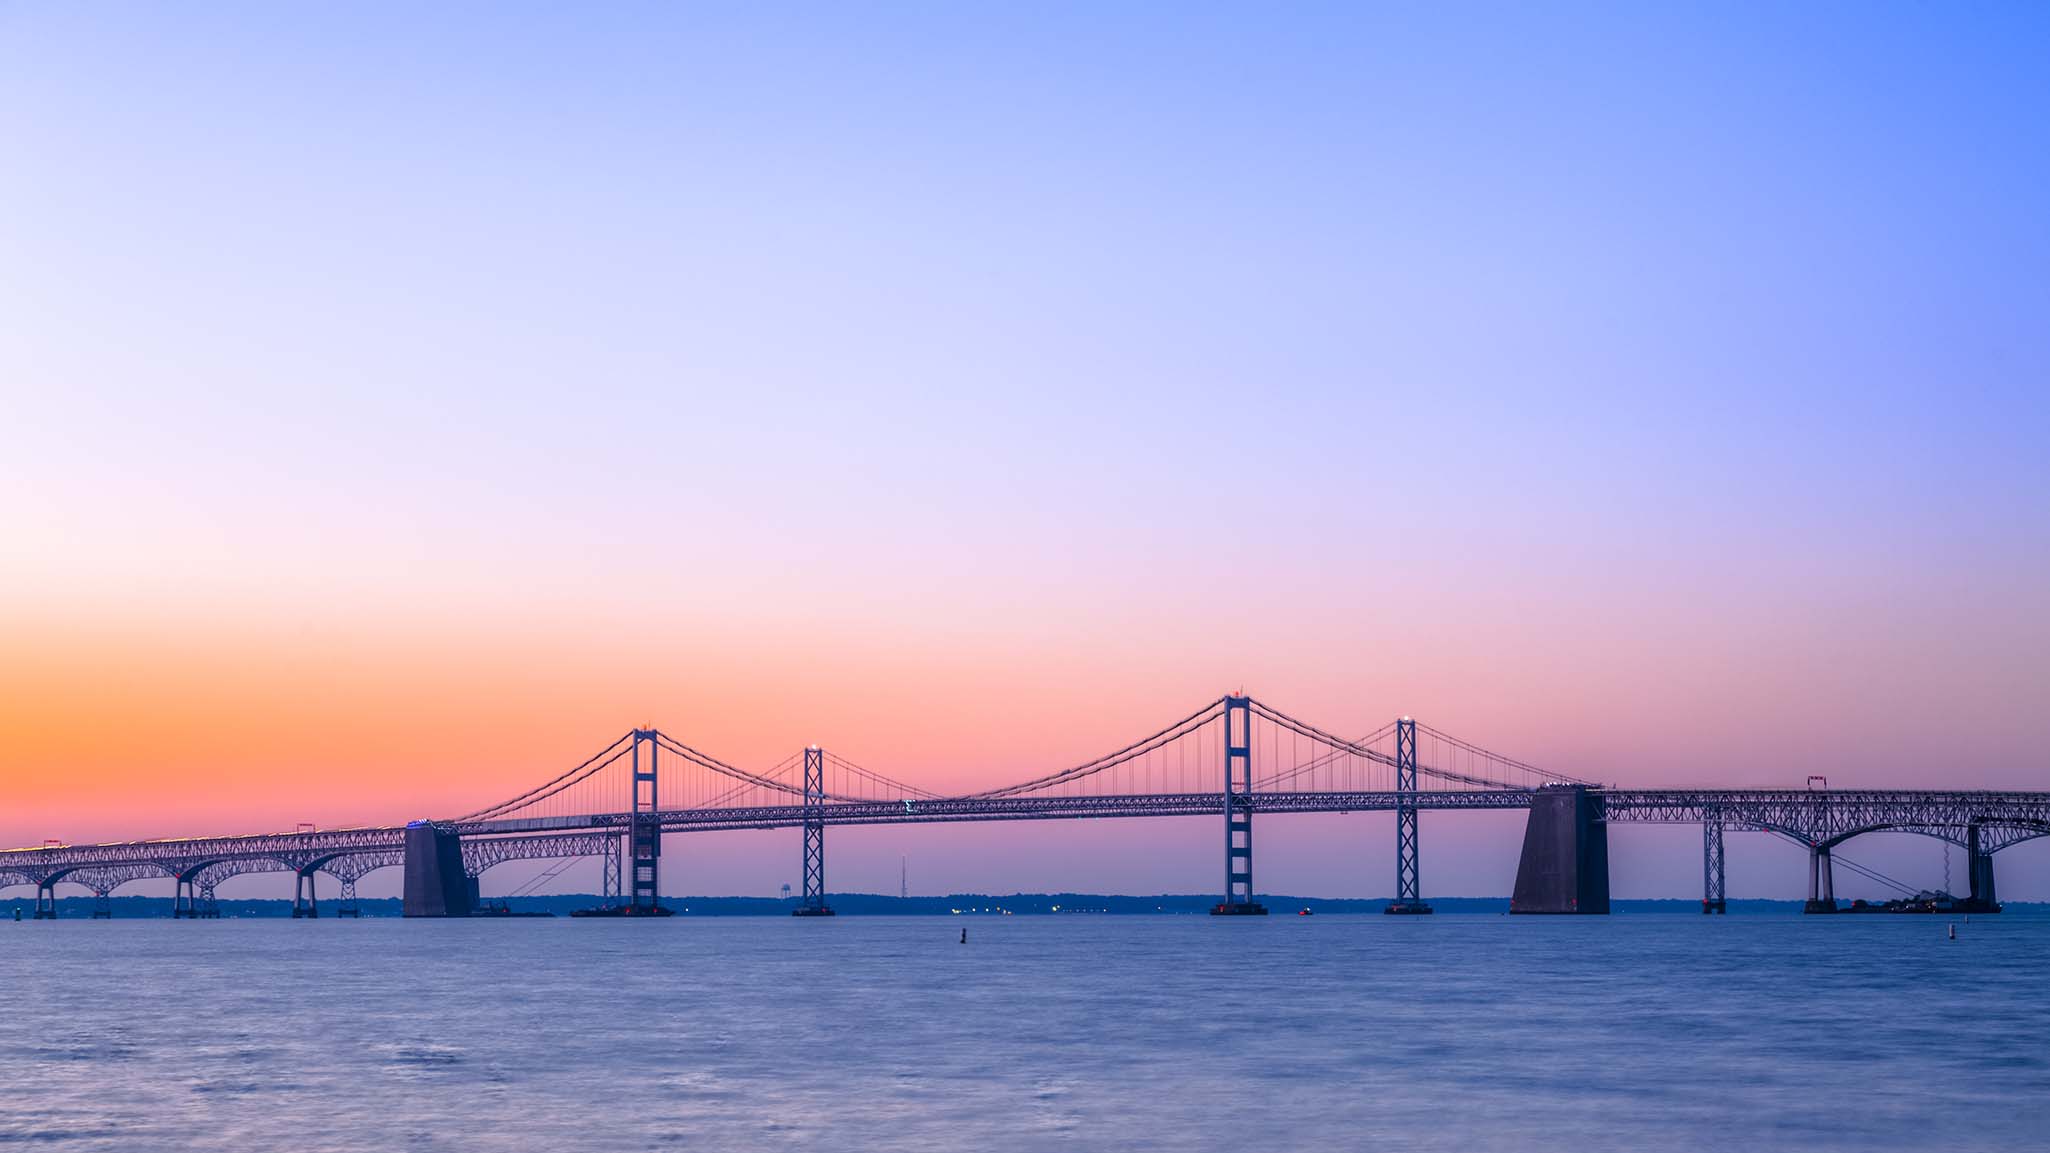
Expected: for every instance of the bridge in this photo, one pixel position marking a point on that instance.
(1233, 759)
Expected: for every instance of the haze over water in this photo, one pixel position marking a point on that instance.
(1040, 1033)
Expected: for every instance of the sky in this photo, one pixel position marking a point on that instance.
(396, 405)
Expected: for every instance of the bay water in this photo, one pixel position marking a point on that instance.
(1039, 1033)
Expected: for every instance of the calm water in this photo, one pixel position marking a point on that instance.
(1172, 1033)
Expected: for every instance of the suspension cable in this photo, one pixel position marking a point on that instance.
(1512, 762)
(1173, 732)
(1336, 741)
(544, 791)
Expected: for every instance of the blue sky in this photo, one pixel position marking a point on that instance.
(1652, 390)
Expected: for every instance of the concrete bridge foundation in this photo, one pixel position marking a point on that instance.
(436, 885)
(1565, 864)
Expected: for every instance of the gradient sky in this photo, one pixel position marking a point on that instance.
(396, 405)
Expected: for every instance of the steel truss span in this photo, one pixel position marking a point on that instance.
(1826, 818)
(1235, 757)
(198, 865)
(954, 809)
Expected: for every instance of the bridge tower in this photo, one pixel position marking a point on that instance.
(814, 903)
(646, 836)
(1408, 889)
(1712, 863)
(1238, 811)
(46, 900)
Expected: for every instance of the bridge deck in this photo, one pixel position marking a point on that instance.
(1820, 817)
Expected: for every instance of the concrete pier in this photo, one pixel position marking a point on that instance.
(1979, 871)
(1565, 864)
(1821, 882)
(436, 885)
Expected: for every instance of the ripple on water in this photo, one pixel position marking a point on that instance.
(424, 1055)
(699, 1083)
(45, 1127)
(54, 1135)
(81, 1049)
(243, 1087)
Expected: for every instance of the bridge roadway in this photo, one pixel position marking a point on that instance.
(1822, 817)
(1565, 840)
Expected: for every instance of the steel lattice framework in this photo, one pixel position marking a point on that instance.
(197, 866)
(1712, 871)
(1300, 768)
(1408, 871)
(813, 903)
(1819, 818)
(1826, 818)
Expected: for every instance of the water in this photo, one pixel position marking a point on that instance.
(1168, 1033)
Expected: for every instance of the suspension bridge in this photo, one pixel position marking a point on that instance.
(1234, 759)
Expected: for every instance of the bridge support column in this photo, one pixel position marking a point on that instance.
(103, 909)
(645, 879)
(1979, 868)
(305, 902)
(1238, 811)
(1712, 865)
(610, 885)
(183, 903)
(1565, 863)
(1408, 883)
(46, 901)
(435, 883)
(814, 903)
(1821, 882)
(349, 907)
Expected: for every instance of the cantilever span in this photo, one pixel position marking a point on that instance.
(197, 865)
(1235, 758)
